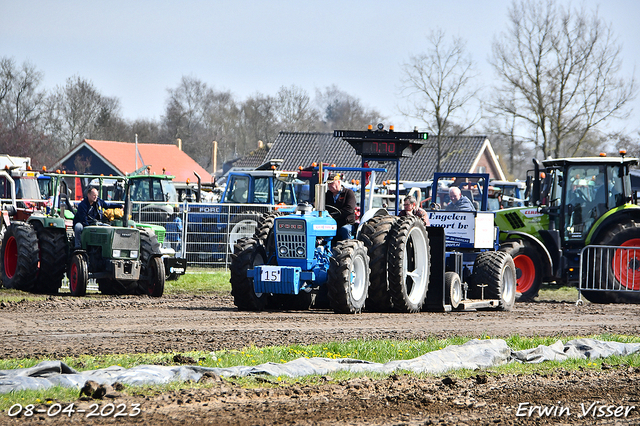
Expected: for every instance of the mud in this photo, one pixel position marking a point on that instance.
(64, 326)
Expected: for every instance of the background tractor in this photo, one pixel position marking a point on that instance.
(391, 264)
(573, 203)
(124, 257)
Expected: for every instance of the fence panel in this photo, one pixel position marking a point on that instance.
(204, 233)
(610, 268)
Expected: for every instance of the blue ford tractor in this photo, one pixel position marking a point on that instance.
(392, 263)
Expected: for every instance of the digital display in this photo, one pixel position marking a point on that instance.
(380, 148)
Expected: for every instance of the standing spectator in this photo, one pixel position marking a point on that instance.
(410, 208)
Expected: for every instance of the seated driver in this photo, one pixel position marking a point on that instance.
(90, 212)
(344, 202)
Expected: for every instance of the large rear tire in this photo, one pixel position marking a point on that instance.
(54, 252)
(374, 234)
(242, 226)
(348, 277)
(528, 269)
(248, 254)
(496, 270)
(408, 266)
(622, 272)
(78, 275)
(19, 257)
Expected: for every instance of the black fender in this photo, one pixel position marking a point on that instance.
(623, 215)
(545, 255)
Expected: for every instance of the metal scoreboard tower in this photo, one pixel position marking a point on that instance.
(383, 146)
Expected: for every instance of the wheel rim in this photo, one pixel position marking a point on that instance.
(525, 273)
(358, 285)
(626, 265)
(456, 293)
(244, 228)
(10, 257)
(509, 284)
(416, 252)
(73, 278)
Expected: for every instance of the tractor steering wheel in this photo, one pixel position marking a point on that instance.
(334, 209)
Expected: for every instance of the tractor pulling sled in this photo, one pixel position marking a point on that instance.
(393, 264)
(123, 257)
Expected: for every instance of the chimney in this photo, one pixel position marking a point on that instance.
(214, 158)
(179, 143)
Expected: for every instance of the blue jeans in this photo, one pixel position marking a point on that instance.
(344, 232)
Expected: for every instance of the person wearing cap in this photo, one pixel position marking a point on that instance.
(344, 201)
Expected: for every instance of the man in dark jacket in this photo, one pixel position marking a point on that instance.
(458, 201)
(344, 202)
(90, 212)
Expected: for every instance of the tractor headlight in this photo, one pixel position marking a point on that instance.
(283, 250)
(300, 251)
(116, 253)
(134, 253)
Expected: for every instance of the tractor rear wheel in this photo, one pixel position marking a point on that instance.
(408, 266)
(496, 270)
(348, 277)
(374, 235)
(78, 275)
(622, 271)
(248, 254)
(19, 257)
(528, 269)
(54, 252)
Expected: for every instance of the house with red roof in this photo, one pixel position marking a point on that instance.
(120, 158)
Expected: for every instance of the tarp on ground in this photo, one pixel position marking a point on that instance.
(474, 354)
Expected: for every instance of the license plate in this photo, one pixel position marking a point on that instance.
(270, 273)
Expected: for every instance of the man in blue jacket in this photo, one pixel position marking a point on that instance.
(458, 201)
(90, 212)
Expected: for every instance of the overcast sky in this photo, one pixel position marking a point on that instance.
(135, 50)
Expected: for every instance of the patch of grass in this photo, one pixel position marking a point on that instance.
(200, 281)
(379, 351)
(559, 293)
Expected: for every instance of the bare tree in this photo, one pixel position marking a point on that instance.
(294, 110)
(20, 100)
(259, 119)
(77, 110)
(438, 85)
(343, 111)
(558, 73)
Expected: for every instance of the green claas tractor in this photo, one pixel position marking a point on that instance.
(122, 256)
(573, 203)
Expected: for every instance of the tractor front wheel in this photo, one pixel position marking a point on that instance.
(78, 275)
(248, 254)
(348, 277)
(528, 269)
(153, 285)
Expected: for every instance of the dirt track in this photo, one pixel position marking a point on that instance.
(63, 326)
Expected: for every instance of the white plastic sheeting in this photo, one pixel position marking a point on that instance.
(475, 354)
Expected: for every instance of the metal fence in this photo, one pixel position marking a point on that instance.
(203, 233)
(610, 268)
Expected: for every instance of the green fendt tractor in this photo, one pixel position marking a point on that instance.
(122, 256)
(573, 203)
